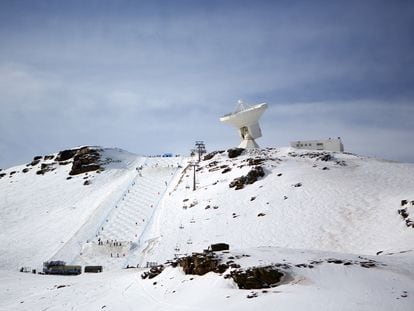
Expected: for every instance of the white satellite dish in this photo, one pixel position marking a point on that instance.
(246, 120)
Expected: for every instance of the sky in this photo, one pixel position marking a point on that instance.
(155, 76)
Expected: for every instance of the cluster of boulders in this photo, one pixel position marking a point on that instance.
(321, 156)
(252, 176)
(210, 261)
(46, 167)
(364, 262)
(83, 160)
(318, 156)
(405, 214)
(153, 272)
(255, 161)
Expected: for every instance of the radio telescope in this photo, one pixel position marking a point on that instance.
(246, 120)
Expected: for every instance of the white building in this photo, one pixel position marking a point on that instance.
(331, 144)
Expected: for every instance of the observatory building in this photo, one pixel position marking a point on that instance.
(331, 144)
(246, 120)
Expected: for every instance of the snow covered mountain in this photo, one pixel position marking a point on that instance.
(341, 225)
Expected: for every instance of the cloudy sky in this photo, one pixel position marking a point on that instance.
(154, 76)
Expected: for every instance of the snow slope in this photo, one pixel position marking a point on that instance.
(350, 206)
(42, 213)
(309, 206)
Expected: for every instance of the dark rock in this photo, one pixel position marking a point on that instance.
(87, 182)
(12, 173)
(403, 213)
(34, 162)
(250, 178)
(280, 174)
(252, 198)
(302, 265)
(213, 169)
(340, 163)
(297, 185)
(49, 157)
(153, 272)
(210, 155)
(238, 183)
(325, 157)
(256, 161)
(235, 152)
(367, 264)
(254, 174)
(25, 170)
(66, 154)
(403, 202)
(257, 277)
(325, 168)
(252, 295)
(2, 175)
(226, 170)
(221, 268)
(45, 167)
(219, 247)
(37, 158)
(261, 214)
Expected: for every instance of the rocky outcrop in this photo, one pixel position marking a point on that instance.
(66, 155)
(257, 277)
(85, 160)
(405, 214)
(252, 176)
(211, 155)
(235, 152)
(202, 263)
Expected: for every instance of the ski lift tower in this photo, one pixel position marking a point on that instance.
(246, 120)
